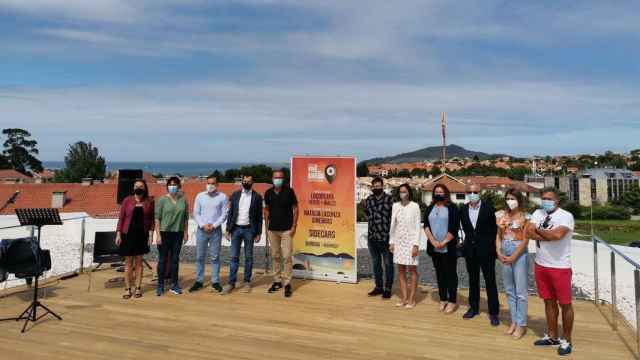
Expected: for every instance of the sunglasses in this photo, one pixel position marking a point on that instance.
(545, 225)
(473, 192)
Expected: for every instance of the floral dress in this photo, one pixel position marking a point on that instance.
(405, 232)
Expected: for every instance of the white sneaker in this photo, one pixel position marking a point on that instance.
(246, 287)
(565, 348)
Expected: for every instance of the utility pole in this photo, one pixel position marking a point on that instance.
(443, 124)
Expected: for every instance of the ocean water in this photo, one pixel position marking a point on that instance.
(170, 168)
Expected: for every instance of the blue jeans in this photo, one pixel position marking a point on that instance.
(516, 284)
(212, 241)
(171, 244)
(239, 236)
(380, 254)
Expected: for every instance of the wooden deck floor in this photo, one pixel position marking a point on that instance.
(322, 321)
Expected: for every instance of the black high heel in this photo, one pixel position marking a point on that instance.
(127, 294)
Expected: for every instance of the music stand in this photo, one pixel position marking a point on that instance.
(37, 218)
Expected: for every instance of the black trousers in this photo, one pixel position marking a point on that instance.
(171, 245)
(488, 267)
(380, 255)
(447, 276)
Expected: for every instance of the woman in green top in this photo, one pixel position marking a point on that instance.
(172, 230)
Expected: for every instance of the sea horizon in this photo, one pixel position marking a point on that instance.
(185, 168)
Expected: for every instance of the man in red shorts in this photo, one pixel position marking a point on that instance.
(552, 229)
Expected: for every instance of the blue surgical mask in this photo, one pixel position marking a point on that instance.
(172, 189)
(473, 197)
(278, 182)
(548, 205)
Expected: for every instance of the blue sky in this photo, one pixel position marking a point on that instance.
(260, 80)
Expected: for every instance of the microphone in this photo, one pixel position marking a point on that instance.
(12, 199)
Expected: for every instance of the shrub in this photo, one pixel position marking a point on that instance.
(607, 212)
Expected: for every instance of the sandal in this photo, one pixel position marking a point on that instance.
(127, 294)
(138, 293)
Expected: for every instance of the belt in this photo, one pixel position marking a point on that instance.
(244, 226)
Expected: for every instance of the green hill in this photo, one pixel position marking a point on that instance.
(432, 153)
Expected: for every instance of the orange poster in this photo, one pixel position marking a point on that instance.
(324, 246)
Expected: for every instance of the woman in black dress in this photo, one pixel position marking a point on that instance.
(135, 229)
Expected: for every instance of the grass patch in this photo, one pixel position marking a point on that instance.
(619, 232)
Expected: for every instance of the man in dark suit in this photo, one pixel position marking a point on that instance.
(244, 224)
(478, 221)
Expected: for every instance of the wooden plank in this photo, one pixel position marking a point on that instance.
(321, 321)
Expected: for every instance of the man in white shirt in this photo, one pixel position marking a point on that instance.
(552, 229)
(244, 226)
(478, 222)
(210, 212)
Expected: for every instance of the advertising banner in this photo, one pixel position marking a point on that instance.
(324, 246)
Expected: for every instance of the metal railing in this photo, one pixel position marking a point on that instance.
(636, 278)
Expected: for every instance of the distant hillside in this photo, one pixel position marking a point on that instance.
(432, 153)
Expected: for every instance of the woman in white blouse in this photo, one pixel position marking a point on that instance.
(404, 240)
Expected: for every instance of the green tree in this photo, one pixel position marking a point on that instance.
(261, 173)
(21, 151)
(83, 160)
(218, 175)
(4, 163)
(362, 169)
(493, 198)
(631, 199)
(361, 216)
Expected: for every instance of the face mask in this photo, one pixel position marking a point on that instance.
(211, 188)
(278, 182)
(247, 186)
(172, 189)
(473, 197)
(404, 196)
(548, 205)
(139, 191)
(438, 197)
(377, 192)
(512, 204)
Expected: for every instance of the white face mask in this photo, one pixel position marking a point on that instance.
(512, 204)
(211, 188)
(404, 196)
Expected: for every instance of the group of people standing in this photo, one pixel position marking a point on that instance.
(243, 214)
(395, 230)
(394, 233)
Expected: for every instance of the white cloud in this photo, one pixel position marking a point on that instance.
(321, 85)
(79, 35)
(272, 121)
(95, 10)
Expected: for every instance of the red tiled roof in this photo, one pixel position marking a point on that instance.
(453, 184)
(98, 200)
(458, 184)
(45, 174)
(13, 174)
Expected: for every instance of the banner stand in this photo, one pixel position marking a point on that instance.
(324, 246)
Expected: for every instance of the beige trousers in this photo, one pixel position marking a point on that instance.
(281, 248)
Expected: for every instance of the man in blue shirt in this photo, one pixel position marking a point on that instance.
(210, 212)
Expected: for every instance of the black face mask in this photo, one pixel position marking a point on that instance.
(247, 186)
(139, 191)
(377, 192)
(438, 198)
